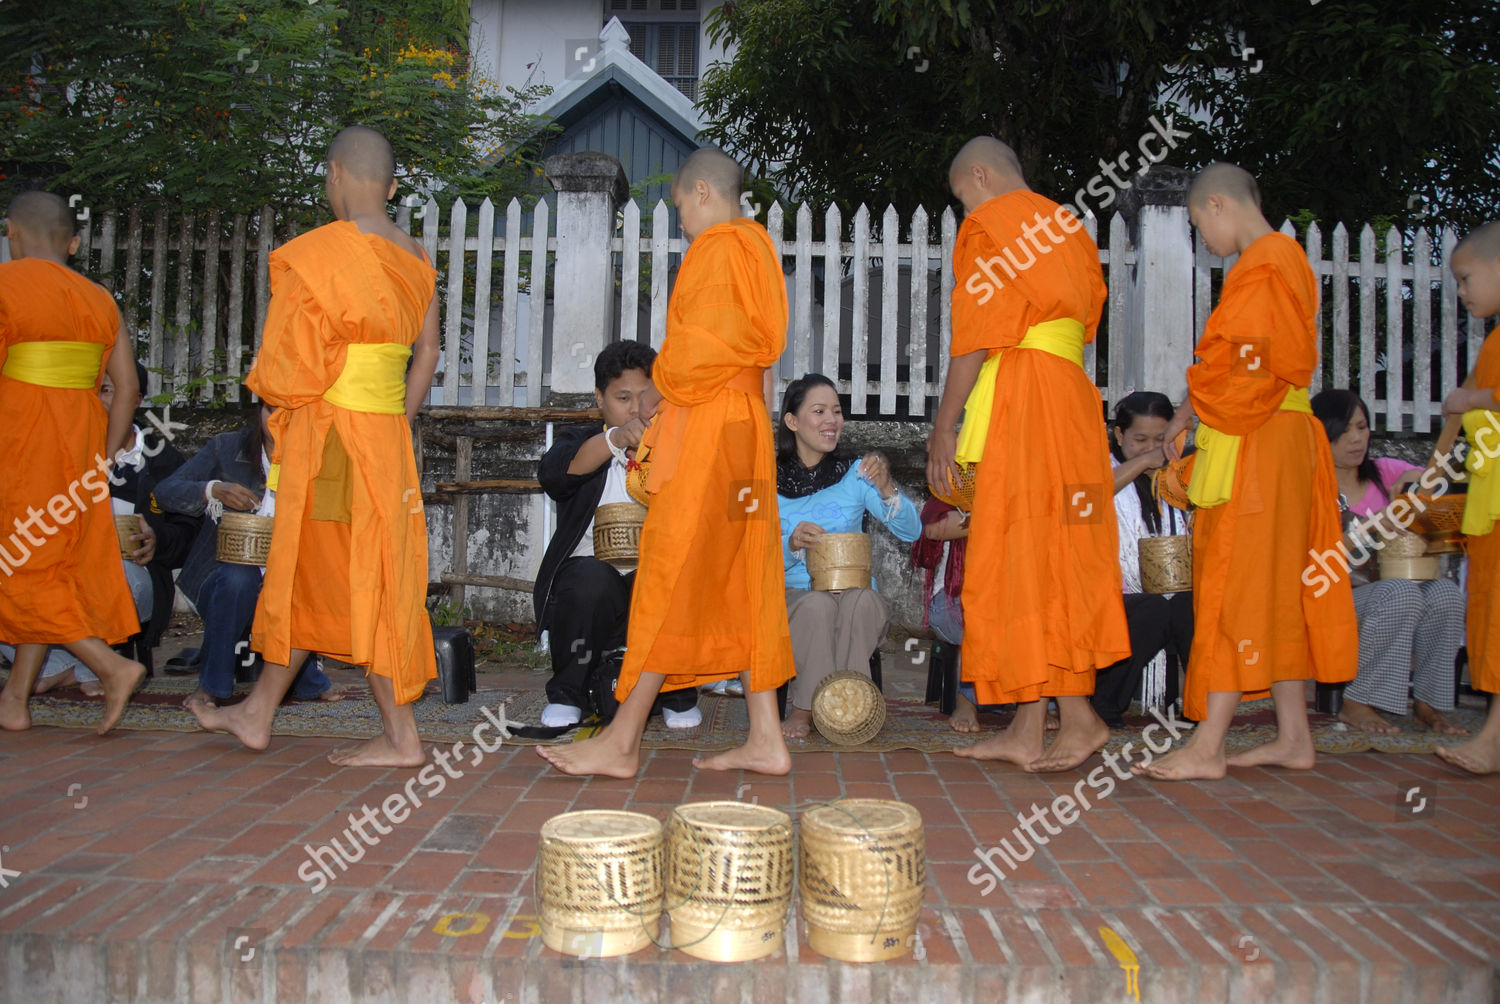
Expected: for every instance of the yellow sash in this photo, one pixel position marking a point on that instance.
(1219, 455)
(373, 381)
(74, 365)
(1062, 338)
(1482, 506)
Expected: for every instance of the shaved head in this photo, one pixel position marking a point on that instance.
(1227, 180)
(715, 168)
(1483, 242)
(990, 153)
(364, 154)
(43, 216)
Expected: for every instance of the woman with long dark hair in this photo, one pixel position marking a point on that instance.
(1409, 631)
(819, 490)
(1156, 622)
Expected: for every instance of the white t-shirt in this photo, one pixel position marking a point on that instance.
(1133, 528)
(614, 491)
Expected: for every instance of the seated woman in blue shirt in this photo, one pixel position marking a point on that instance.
(820, 490)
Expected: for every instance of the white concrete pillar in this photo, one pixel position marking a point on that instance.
(590, 187)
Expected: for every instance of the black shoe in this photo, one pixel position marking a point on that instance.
(185, 663)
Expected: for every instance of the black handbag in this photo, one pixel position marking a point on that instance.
(602, 682)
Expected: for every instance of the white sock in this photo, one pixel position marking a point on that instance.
(689, 719)
(555, 715)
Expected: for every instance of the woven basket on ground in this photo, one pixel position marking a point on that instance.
(729, 879)
(599, 882)
(848, 708)
(863, 872)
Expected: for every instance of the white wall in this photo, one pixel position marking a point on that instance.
(708, 53)
(507, 35)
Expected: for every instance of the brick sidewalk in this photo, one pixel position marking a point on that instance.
(164, 867)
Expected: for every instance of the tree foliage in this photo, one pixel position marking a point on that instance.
(1344, 110)
(210, 103)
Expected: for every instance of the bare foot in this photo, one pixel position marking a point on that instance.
(93, 688)
(1072, 747)
(117, 685)
(1294, 754)
(965, 717)
(234, 720)
(14, 717)
(1186, 764)
(201, 697)
(378, 752)
(600, 754)
(1365, 718)
(761, 755)
(337, 692)
(1477, 756)
(67, 678)
(1008, 746)
(798, 723)
(1436, 720)
(1052, 722)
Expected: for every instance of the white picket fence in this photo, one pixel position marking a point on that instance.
(867, 308)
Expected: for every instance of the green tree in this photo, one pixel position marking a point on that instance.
(222, 104)
(1351, 112)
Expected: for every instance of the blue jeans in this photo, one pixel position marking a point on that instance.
(226, 602)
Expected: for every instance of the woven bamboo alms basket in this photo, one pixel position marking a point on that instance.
(617, 533)
(1170, 483)
(862, 876)
(1441, 515)
(126, 526)
(729, 879)
(962, 495)
(840, 561)
(848, 708)
(635, 482)
(1166, 563)
(1405, 557)
(244, 539)
(599, 882)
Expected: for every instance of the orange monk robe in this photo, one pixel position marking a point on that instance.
(1258, 613)
(1042, 596)
(345, 476)
(1483, 621)
(710, 591)
(61, 577)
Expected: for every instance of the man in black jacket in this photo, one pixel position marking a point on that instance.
(581, 602)
(228, 473)
(162, 545)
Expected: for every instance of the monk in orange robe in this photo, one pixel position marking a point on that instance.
(1264, 482)
(709, 601)
(61, 581)
(351, 302)
(1042, 594)
(1476, 266)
